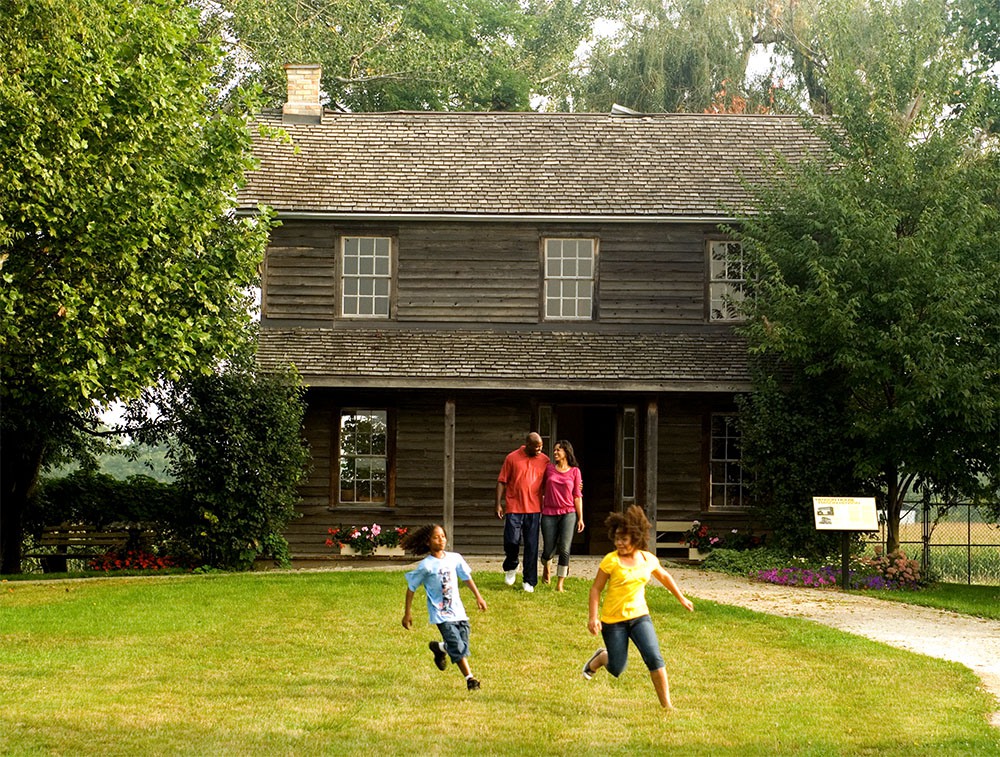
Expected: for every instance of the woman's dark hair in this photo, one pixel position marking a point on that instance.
(568, 449)
(632, 522)
(418, 541)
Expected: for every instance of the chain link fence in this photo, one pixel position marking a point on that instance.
(961, 545)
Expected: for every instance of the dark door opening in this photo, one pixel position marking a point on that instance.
(592, 430)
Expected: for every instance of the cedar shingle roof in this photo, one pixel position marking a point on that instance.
(656, 166)
(514, 359)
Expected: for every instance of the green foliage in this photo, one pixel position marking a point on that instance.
(788, 431)
(675, 56)
(382, 55)
(236, 454)
(746, 562)
(87, 496)
(120, 260)
(875, 282)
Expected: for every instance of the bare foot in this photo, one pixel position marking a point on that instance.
(546, 573)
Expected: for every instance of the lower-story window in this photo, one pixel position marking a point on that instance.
(727, 485)
(364, 457)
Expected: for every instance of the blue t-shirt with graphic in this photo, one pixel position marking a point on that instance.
(440, 578)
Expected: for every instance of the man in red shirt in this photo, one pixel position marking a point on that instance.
(519, 488)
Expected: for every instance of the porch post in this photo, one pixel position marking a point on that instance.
(449, 470)
(652, 454)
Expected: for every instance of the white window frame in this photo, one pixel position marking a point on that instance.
(366, 265)
(629, 446)
(727, 482)
(566, 281)
(726, 280)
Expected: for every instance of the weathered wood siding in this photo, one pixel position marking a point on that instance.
(486, 430)
(300, 272)
(491, 273)
(487, 427)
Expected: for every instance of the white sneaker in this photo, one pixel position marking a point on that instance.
(510, 576)
(529, 588)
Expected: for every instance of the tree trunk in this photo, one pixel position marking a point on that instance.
(20, 460)
(893, 507)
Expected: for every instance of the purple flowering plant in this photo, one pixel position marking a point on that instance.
(883, 572)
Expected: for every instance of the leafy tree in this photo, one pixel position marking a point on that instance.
(676, 56)
(121, 262)
(795, 444)
(236, 454)
(875, 276)
(381, 55)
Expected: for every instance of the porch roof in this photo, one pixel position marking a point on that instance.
(711, 359)
(669, 166)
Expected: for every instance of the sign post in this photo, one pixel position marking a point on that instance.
(847, 515)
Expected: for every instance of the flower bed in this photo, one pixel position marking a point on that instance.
(365, 540)
(895, 571)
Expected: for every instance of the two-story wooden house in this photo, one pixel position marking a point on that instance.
(446, 282)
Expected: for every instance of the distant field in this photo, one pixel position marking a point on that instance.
(959, 552)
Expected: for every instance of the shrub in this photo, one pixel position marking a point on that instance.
(237, 454)
(892, 571)
(88, 496)
(746, 562)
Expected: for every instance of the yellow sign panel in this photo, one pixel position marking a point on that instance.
(845, 513)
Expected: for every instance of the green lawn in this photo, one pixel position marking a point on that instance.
(318, 663)
(978, 600)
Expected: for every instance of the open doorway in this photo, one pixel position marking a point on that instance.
(592, 430)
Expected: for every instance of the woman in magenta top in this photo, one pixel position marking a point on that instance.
(562, 510)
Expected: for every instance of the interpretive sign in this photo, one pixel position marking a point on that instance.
(845, 513)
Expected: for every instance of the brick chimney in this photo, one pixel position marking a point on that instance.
(303, 104)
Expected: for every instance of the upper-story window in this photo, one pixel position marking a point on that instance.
(366, 276)
(727, 280)
(570, 267)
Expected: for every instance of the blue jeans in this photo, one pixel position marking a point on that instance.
(643, 635)
(518, 527)
(557, 536)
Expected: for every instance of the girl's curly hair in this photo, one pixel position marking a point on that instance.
(418, 541)
(632, 522)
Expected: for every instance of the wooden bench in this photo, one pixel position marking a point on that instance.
(669, 538)
(75, 541)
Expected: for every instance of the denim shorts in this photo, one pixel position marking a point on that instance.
(643, 635)
(456, 639)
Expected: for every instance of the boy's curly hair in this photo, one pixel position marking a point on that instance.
(418, 540)
(634, 523)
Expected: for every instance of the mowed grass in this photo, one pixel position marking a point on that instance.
(318, 663)
(977, 600)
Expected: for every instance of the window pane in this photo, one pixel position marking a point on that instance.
(725, 469)
(367, 276)
(363, 461)
(569, 278)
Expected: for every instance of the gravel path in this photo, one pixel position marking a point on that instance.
(973, 642)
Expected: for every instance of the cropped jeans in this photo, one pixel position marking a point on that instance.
(557, 537)
(642, 633)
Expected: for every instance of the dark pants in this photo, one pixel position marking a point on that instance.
(557, 538)
(517, 528)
